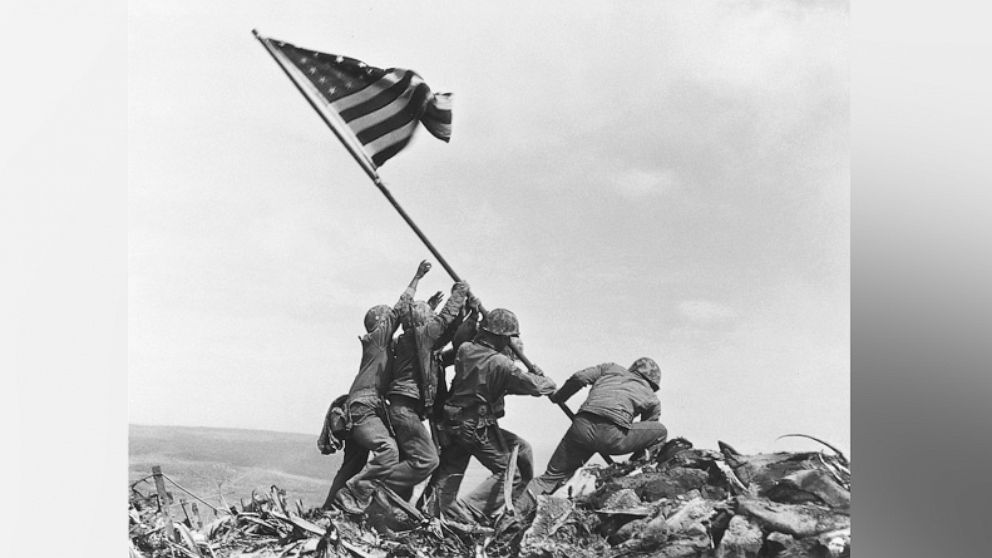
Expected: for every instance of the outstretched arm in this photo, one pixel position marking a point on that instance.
(422, 270)
(387, 327)
(583, 377)
(406, 299)
(437, 326)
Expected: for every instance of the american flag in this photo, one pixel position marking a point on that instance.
(381, 108)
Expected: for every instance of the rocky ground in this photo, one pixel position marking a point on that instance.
(680, 502)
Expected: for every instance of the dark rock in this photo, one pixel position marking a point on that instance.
(812, 485)
(669, 484)
(670, 449)
(800, 520)
(651, 486)
(776, 543)
(763, 471)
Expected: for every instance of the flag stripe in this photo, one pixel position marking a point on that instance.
(384, 155)
(366, 93)
(437, 117)
(412, 112)
(399, 104)
(375, 112)
(320, 102)
(379, 100)
(382, 142)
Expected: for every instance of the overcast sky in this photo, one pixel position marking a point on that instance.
(632, 179)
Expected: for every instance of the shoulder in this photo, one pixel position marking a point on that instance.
(466, 348)
(502, 361)
(612, 369)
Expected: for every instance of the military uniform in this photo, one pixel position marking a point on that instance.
(605, 422)
(369, 432)
(417, 381)
(483, 377)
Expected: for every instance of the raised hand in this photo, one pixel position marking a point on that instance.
(435, 299)
(423, 268)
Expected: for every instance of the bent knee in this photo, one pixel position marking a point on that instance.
(386, 453)
(423, 465)
(662, 432)
(429, 463)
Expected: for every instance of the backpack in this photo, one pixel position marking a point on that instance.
(339, 418)
(336, 427)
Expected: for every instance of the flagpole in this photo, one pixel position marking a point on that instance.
(370, 170)
(362, 161)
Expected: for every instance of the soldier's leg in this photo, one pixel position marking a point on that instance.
(575, 448)
(418, 455)
(525, 462)
(493, 452)
(369, 432)
(355, 457)
(640, 436)
(442, 490)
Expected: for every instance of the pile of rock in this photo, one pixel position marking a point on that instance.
(682, 502)
(702, 503)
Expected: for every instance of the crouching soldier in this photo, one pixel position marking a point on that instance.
(605, 422)
(354, 483)
(417, 382)
(483, 377)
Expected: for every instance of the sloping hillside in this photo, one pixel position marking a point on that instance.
(211, 461)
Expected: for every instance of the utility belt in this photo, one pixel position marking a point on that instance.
(472, 427)
(477, 415)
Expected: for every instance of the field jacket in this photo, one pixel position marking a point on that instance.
(616, 394)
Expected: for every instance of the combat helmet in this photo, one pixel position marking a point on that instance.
(649, 370)
(500, 321)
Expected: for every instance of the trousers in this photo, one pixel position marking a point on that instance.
(588, 435)
(369, 435)
(491, 446)
(418, 455)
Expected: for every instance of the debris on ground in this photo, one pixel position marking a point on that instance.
(679, 502)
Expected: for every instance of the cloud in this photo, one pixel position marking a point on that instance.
(705, 312)
(638, 183)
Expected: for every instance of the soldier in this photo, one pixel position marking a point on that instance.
(355, 480)
(417, 383)
(483, 377)
(604, 423)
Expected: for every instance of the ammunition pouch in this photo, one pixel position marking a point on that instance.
(468, 426)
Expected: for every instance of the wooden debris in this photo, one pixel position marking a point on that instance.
(187, 539)
(164, 502)
(698, 503)
(840, 455)
(511, 471)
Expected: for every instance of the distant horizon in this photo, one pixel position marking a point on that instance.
(847, 451)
